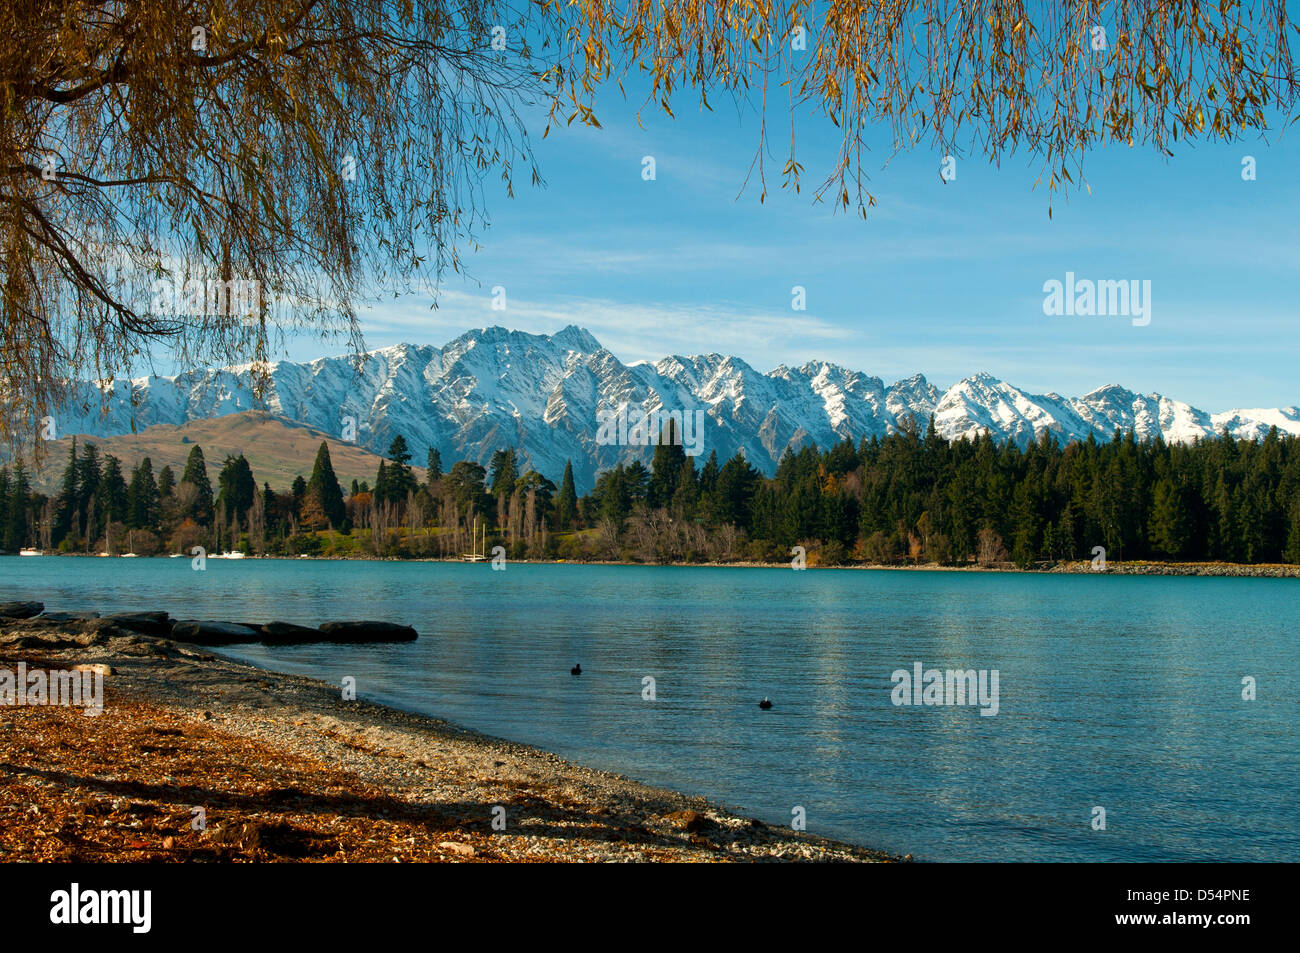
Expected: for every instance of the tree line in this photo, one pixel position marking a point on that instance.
(909, 497)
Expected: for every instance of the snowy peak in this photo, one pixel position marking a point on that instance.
(545, 394)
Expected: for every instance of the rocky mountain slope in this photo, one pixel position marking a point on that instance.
(545, 395)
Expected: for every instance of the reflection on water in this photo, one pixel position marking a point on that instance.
(1120, 692)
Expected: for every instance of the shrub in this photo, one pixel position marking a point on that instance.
(832, 554)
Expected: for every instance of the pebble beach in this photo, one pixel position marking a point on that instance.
(197, 757)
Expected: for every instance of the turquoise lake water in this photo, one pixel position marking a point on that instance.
(1119, 692)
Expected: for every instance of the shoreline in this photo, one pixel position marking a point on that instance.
(286, 770)
(1070, 567)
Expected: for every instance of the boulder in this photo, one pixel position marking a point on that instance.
(20, 610)
(367, 632)
(145, 623)
(213, 633)
(103, 629)
(79, 615)
(286, 633)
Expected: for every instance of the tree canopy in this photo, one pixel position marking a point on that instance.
(202, 176)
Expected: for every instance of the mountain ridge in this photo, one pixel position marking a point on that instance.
(542, 394)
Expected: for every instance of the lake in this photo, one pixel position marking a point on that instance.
(1115, 692)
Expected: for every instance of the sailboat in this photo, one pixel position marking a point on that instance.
(475, 556)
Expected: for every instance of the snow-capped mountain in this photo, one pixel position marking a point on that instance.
(546, 395)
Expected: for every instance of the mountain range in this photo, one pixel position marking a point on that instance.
(546, 394)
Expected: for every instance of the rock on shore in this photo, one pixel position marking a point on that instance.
(160, 625)
(213, 633)
(286, 633)
(20, 610)
(367, 632)
(287, 769)
(30, 626)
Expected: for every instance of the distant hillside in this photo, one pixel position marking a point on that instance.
(546, 396)
(277, 449)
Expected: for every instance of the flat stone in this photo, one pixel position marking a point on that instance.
(79, 615)
(146, 623)
(20, 610)
(368, 632)
(286, 633)
(213, 633)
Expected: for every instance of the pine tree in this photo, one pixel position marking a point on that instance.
(566, 504)
(398, 482)
(636, 482)
(465, 484)
(142, 497)
(398, 451)
(709, 489)
(111, 495)
(1292, 551)
(270, 512)
(200, 507)
(737, 484)
(67, 506)
(1226, 540)
(504, 472)
(1169, 530)
(298, 490)
(166, 482)
(236, 489)
(326, 485)
(686, 497)
(666, 466)
(15, 529)
(612, 492)
(88, 476)
(433, 463)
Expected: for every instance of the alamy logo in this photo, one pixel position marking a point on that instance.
(1087, 298)
(934, 686)
(134, 907)
(81, 687)
(238, 298)
(650, 428)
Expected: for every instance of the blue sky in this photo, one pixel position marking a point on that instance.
(942, 278)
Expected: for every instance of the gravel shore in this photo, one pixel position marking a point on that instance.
(199, 757)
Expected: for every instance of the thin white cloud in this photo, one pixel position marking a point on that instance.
(633, 332)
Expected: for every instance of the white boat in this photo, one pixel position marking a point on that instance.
(229, 556)
(129, 556)
(31, 552)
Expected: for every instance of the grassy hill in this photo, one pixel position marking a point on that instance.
(278, 449)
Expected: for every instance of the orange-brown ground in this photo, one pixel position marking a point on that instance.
(285, 770)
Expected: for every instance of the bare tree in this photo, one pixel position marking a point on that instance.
(990, 550)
